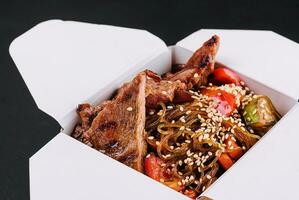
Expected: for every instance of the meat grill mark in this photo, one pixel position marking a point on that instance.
(107, 126)
(204, 62)
(112, 144)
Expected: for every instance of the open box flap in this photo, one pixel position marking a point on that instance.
(263, 55)
(63, 62)
(269, 170)
(68, 169)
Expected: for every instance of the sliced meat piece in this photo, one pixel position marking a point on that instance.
(174, 86)
(199, 66)
(118, 128)
(163, 91)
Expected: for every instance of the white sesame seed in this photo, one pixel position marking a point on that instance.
(129, 109)
(196, 75)
(188, 112)
(164, 92)
(160, 112)
(150, 137)
(209, 177)
(170, 107)
(205, 136)
(151, 112)
(182, 128)
(181, 108)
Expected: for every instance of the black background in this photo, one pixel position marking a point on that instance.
(24, 129)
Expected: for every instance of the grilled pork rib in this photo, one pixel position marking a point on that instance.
(193, 74)
(118, 129)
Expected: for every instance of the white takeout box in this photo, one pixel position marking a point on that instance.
(66, 63)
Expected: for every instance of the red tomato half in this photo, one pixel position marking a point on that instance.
(225, 76)
(154, 168)
(226, 100)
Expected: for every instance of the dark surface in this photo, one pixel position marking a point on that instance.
(25, 129)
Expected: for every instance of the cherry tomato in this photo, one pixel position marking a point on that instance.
(225, 76)
(154, 168)
(226, 100)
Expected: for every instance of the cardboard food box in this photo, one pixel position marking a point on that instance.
(65, 63)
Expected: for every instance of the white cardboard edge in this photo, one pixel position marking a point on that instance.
(68, 169)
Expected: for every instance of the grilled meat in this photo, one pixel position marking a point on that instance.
(173, 86)
(118, 128)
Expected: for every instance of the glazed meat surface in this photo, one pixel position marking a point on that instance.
(173, 86)
(118, 128)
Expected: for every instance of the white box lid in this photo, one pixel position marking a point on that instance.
(277, 65)
(68, 169)
(63, 63)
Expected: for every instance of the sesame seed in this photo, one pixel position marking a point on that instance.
(170, 107)
(188, 112)
(150, 137)
(157, 143)
(151, 112)
(205, 136)
(203, 188)
(209, 177)
(182, 128)
(181, 108)
(172, 121)
(164, 92)
(160, 112)
(148, 155)
(196, 75)
(161, 180)
(129, 109)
